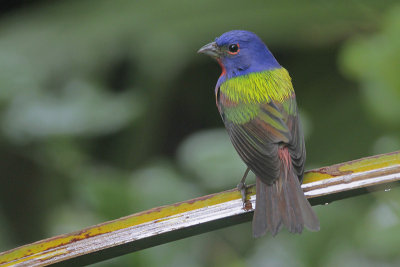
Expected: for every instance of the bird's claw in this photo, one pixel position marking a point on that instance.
(242, 188)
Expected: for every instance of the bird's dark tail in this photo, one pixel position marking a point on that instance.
(282, 203)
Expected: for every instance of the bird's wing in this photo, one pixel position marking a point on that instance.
(296, 144)
(257, 130)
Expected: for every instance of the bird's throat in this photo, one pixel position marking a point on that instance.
(222, 67)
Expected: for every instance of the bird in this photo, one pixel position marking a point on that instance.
(257, 103)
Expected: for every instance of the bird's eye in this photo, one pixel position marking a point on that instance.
(233, 49)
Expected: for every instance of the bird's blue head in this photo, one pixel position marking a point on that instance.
(239, 53)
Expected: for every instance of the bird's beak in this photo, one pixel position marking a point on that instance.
(210, 49)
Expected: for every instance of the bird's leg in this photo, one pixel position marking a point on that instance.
(242, 186)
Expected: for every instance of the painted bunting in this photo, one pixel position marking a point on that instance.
(257, 103)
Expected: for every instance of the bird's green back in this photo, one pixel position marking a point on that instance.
(244, 96)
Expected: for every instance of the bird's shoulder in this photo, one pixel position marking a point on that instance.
(245, 97)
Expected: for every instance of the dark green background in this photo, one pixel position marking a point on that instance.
(106, 109)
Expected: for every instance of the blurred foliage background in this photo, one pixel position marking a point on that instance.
(107, 110)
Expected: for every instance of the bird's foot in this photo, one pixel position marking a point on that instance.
(242, 188)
